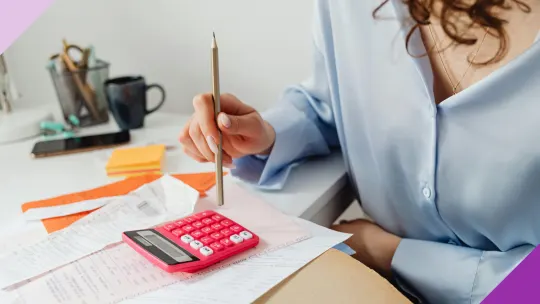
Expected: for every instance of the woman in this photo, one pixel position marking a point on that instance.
(435, 105)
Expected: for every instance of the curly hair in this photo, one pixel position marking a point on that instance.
(451, 13)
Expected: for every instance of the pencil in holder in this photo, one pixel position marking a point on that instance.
(81, 92)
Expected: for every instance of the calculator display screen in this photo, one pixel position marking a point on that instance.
(162, 248)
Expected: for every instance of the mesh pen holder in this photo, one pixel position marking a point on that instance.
(82, 94)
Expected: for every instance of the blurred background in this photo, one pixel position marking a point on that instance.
(264, 46)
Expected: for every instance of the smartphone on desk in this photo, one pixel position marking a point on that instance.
(79, 144)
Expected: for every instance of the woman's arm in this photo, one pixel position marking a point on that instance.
(431, 272)
(303, 123)
(445, 273)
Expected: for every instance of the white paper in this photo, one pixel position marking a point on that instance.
(247, 281)
(145, 207)
(118, 274)
(16, 233)
(36, 214)
(20, 240)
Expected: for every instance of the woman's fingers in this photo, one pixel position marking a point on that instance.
(200, 142)
(192, 150)
(200, 147)
(229, 148)
(204, 113)
(195, 155)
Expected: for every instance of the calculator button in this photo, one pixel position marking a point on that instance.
(217, 217)
(207, 240)
(207, 230)
(217, 246)
(190, 219)
(206, 251)
(245, 235)
(226, 242)
(186, 238)
(226, 223)
(196, 244)
(236, 239)
(226, 232)
(197, 225)
(179, 223)
(217, 235)
(208, 221)
(236, 228)
(217, 226)
(203, 214)
(188, 228)
(197, 234)
(178, 232)
(170, 227)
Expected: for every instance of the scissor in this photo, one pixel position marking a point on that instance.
(80, 89)
(82, 53)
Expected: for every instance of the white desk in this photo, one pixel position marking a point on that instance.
(316, 191)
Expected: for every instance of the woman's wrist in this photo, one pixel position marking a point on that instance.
(384, 254)
(270, 133)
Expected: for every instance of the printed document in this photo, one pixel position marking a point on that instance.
(164, 199)
(36, 214)
(247, 281)
(120, 273)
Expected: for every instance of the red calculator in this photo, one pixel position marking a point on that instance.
(191, 243)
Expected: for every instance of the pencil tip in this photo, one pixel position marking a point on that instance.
(214, 42)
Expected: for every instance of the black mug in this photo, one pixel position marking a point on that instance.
(127, 100)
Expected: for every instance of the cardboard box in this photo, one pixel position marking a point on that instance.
(334, 277)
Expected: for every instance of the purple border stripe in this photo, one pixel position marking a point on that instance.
(521, 285)
(16, 16)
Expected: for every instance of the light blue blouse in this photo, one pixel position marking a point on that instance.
(459, 181)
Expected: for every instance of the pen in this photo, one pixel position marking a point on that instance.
(215, 95)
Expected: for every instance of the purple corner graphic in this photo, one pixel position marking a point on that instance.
(16, 16)
(520, 285)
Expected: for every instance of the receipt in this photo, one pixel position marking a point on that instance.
(164, 199)
(36, 214)
(119, 273)
(247, 281)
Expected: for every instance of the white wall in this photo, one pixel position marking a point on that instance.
(264, 45)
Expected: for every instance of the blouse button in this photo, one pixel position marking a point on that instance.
(427, 192)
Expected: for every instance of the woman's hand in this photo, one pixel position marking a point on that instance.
(243, 129)
(374, 246)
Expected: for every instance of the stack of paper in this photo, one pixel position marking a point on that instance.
(136, 161)
(163, 200)
(201, 182)
(247, 281)
(118, 273)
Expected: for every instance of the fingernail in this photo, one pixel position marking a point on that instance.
(225, 120)
(229, 166)
(211, 144)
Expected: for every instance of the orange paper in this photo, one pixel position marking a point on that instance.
(201, 182)
(137, 156)
(135, 161)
